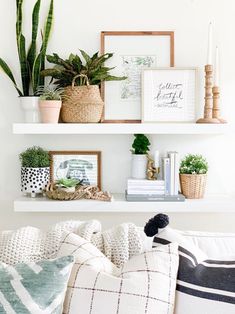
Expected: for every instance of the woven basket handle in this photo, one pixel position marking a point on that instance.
(80, 75)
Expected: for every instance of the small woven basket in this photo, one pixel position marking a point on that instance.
(57, 194)
(83, 104)
(193, 186)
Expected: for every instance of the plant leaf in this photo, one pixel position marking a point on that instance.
(46, 36)
(8, 72)
(86, 56)
(24, 66)
(35, 21)
(36, 73)
(19, 17)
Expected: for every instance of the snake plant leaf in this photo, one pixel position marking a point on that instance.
(33, 47)
(115, 78)
(19, 18)
(8, 72)
(24, 65)
(36, 73)
(46, 36)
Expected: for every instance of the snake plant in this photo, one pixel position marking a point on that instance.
(74, 68)
(32, 62)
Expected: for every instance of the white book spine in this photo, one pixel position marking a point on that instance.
(146, 188)
(166, 174)
(145, 182)
(171, 155)
(176, 174)
(146, 192)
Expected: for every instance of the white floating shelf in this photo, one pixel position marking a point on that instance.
(211, 204)
(117, 128)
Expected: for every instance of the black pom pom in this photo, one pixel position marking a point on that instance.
(158, 222)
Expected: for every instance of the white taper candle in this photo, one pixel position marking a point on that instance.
(157, 159)
(209, 49)
(217, 68)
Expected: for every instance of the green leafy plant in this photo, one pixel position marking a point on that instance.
(50, 92)
(140, 145)
(35, 157)
(33, 61)
(68, 183)
(67, 70)
(193, 164)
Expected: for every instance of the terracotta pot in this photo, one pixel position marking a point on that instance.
(50, 110)
(30, 108)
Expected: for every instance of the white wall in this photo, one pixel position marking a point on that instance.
(78, 25)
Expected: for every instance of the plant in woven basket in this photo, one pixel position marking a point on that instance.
(35, 170)
(75, 69)
(193, 164)
(193, 173)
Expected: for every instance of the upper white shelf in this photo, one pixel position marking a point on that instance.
(210, 204)
(116, 128)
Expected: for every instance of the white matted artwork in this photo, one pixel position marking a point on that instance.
(169, 95)
(133, 51)
(83, 166)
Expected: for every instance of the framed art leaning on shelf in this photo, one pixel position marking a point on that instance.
(133, 51)
(169, 95)
(84, 166)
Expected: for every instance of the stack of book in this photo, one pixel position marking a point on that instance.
(149, 191)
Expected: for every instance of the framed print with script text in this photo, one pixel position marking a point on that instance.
(169, 95)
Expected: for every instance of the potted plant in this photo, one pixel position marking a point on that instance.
(68, 185)
(193, 175)
(32, 62)
(35, 170)
(81, 81)
(50, 103)
(139, 158)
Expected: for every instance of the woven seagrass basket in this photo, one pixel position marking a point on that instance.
(193, 186)
(83, 104)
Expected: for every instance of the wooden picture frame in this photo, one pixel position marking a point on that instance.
(88, 164)
(169, 35)
(169, 95)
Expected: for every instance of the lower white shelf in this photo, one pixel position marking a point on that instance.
(210, 204)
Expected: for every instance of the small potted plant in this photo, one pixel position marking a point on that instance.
(140, 148)
(81, 81)
(31, 61)
(35, 170)
(193, 175)
(67, 185)
(50, 103)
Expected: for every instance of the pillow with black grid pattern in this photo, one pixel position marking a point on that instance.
(204, 285)
(144, 285)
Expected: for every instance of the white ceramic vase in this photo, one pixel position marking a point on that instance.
(139, 166)
(30, 107)
(34, 180)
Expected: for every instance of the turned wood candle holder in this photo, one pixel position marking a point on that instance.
(208, 108)
(216, 105)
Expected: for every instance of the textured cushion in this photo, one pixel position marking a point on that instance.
(145, 284)
(34, 288)
(204, 285)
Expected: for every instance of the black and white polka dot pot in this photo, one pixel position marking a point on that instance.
(34, 180)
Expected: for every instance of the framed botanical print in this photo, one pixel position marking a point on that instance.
(132, 51)
(169, 95)
(84, 166)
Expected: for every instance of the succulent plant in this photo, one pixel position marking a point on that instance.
(68, 183)
(66, 70)
(50, 92)
(194, 164)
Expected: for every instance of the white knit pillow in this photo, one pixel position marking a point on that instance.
(145, 284)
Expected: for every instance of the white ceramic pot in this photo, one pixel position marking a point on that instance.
(139, 166)
(30, 108)
(68, 190)
(34, 180)
(50, 110)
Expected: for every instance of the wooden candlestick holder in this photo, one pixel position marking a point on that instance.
(216, 104)
(208, 108)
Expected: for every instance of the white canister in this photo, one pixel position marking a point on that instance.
(34, 180)
(30, 107)
(139, 166)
